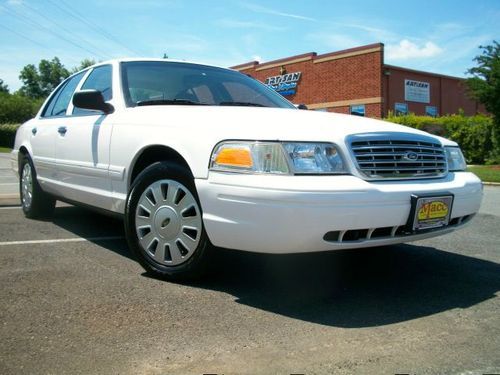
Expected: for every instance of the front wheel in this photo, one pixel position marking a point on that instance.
(35, 202)
(163, 223)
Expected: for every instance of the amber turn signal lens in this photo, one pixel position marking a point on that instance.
(234, 157)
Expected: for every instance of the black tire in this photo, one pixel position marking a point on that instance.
(196, 265)
(41, 205)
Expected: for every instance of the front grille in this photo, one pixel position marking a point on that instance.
(399, 158)
(371, 234)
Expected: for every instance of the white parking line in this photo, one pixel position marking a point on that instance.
(10, 208)
(9, 183)
(35, 242)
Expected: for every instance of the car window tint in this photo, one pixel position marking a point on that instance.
(244, 93)
(99, 79)
(203, 94)
(59, 103)
(50, 105)
(170, 81)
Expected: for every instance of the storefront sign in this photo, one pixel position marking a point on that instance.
(285, 84)
(358, 110)
(431, 111)
(416, 91)
(400, 109)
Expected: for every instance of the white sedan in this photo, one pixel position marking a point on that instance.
(193, 155)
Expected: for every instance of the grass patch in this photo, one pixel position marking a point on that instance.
(5, 149)
(487, 173)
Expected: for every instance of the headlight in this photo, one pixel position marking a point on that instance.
(277, 158)
(455, 158)
(314, 158)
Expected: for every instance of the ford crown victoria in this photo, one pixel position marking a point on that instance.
(194, 156)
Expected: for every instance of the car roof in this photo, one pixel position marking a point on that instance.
(149, 59)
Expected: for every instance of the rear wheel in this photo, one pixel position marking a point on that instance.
(163, 223)
(35, 202)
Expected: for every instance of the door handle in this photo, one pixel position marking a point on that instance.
(33, 131)
(62, 130)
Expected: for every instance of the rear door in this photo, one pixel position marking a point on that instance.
(44, 133)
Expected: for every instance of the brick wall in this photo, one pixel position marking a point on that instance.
(337, 80)
(448, 94)
(333, 81)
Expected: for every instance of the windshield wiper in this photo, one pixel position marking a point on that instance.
(243, 104)
(168, 102)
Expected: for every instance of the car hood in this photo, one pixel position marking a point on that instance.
(255, 123)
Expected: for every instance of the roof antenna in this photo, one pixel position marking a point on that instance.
(165, 56)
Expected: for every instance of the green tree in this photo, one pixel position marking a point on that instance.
(31, 82)
(16, 108)
(85, 63)
(39, 83)
(3, 87)
(484, 85)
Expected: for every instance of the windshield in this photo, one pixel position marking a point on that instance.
(164, 83)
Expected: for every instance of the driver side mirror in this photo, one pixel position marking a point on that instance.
(93, 100)
(302, 106)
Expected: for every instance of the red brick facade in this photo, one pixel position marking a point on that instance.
(447, 94)
(358, 76)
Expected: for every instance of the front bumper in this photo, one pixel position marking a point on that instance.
(289, 214)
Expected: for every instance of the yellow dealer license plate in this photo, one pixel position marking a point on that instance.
(432, 212)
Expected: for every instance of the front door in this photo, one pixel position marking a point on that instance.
(82, 149)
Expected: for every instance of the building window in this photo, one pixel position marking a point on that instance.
(358, 110)
(400, 109)
(431, 111)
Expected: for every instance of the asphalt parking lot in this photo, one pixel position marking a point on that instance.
(73, 301)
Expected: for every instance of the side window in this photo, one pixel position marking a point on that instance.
(59, 103)
(99, 79)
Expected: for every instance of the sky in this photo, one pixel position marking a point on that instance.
(440, 36)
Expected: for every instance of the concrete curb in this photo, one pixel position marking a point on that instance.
(491, 183)
(9, 200)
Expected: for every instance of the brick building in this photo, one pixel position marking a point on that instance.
(357, 81)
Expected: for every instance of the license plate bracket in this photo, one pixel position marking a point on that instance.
(429, 211)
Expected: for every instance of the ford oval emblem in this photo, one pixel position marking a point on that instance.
(410, 155)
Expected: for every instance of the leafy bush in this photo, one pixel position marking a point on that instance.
(474, 134)
(8, 135)
(15, 108)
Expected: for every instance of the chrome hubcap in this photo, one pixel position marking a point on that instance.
(168, 222)
(27, 186)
